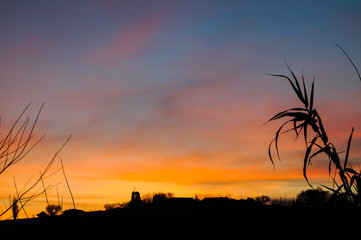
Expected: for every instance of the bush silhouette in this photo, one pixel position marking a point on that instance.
(263, 199)
(53, 209)
(312, 197)
(159, 197)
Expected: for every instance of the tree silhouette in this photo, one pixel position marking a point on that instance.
(263, 199)
(159, 197)
(312, 197)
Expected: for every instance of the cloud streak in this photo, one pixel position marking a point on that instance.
(130, 41)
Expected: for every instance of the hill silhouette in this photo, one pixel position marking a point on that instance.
(191, 216)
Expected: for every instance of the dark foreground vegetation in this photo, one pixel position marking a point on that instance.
(206, 217)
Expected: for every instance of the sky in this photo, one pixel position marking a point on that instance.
(172, 96)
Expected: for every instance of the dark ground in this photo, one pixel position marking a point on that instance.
(180, 218)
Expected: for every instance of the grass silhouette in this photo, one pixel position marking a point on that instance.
(15, 145)
(347, 185)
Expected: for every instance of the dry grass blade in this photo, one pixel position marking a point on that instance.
(67, 183)
(18, 197)
(27, 190)
(15, 145)
(354, 66)
(46, 195)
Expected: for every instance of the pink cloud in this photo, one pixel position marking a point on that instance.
(128, 41)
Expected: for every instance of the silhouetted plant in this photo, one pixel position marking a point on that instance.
(110, 206)
(200, 196)
(14, 147)
(158, 197)
(15, 208)
(53, 209)
(263, 199)
(67, 183)
(147, 198)
(312, 197)
(305, 118)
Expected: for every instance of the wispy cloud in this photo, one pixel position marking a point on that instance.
(129, 41)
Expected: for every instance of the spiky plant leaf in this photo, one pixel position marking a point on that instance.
(294, 87)
(305, 92)
(306, 159)
(277, 136)
(322, 129)
(351, 170)
(269, 153)
(296, 83)
(348, 148)
(284, 113)
(311, 96)
(305, 133)
(316, 153)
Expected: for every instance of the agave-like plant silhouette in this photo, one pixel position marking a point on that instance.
(306, 117)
